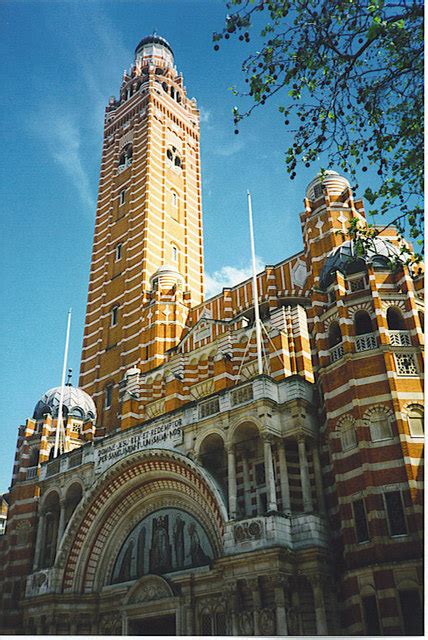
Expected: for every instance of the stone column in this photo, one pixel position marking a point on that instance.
(247, 488)
(269, 473)
(318, 479)
(304, 475)
(124, 624)
(231, 478)
(39, 541)
(255, 591)
(285, 487)
(281, 615)
(233, 605)
(61, 525)
(320, 614)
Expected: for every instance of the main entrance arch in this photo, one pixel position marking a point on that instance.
(134, 490)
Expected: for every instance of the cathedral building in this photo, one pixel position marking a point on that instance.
(194, 494)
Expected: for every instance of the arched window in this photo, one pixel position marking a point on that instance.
(174, 253)
(363, 323)
(174, 200)
(348, 434)
(125, 158)
(421, 320)
(395, 319)
(118, 251)
(72, 499)
(380, 426)
(172, 92)
(177, 161)
(114, 316)
(415, 416)
(165, 86)
(178, 97)
(334, 335)
(108, 396)
(169, 155)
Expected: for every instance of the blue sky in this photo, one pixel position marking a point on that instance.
(60, 63)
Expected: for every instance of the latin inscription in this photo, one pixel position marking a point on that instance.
(162, 435)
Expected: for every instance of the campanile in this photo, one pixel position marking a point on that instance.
(147, 258)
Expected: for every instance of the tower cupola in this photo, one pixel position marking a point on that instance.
(330, 181)
(154, 51)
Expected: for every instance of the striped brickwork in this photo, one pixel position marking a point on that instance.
(147, 209)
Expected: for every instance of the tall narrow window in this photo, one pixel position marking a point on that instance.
(416, 421)
(363, 323)
(174, 200)
(334, 335)
(395, 319)
(371, 616)
(108, 395)
(361, 528)
(118, 253)
(411, 612)
(395, 511)
(174, 252)
(122, 197)
(114, 316)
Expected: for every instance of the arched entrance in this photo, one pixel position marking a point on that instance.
(151, 609)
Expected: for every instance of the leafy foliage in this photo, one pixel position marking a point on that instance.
(350, 73)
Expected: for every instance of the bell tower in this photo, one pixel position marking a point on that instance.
(148, 218)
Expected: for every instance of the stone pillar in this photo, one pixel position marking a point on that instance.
(233, 605)
(318, 479)
(255, 591)
(304, 475)
(39, 541)
(281, 615)
(246, 477)
(320, 614)
(269, 473)
(285, 487)
(124, 624)
(61, 525)
(231, 477)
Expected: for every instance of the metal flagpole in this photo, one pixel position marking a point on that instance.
(59, 424)
(255, 293)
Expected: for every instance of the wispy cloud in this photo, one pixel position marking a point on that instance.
(63, 142)
(228, 149)
(205, 115)
(229, 276)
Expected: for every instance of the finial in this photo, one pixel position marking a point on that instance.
(69, 374)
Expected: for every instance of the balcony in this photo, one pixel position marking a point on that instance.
(297, 531)
(365, 342)
(31, 473)
(336, 352)
(400, 338)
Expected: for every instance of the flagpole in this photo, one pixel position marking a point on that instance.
(59, 423)
(255, 293)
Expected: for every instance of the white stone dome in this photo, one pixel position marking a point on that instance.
(166, 277)
(331, 181)
(76, 403)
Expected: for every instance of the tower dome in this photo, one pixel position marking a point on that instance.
(154, 50)
(166, 277)
(379, 252)
(334, 183)
(76, 403)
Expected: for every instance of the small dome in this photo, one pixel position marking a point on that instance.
(154, 39)
(379, 253)
(334, 183)
(166, 276)
(76, 403)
